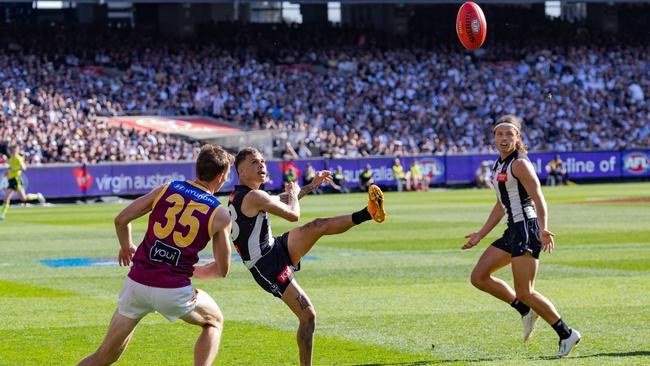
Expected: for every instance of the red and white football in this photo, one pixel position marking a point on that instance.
(471, 26)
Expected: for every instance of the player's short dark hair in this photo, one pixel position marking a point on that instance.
(243, 154)
(213, 160)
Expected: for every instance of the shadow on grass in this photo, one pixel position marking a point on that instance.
(609, 354)
(488, 359)
(416, 363)
(424, 363)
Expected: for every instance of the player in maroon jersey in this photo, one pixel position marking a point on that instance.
(184, 217)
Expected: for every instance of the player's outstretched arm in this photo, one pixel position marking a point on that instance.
(259, 200)
(322, 177)
(221, 251)
(493, 220)
(137, 208)
(525, 172)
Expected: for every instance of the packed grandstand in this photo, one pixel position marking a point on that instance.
(333, 94)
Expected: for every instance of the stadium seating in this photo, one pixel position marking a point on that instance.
(341, 94)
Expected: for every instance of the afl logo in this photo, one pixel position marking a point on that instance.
(432, 168)
(636, 163)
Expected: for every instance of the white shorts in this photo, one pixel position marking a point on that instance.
(137, 300)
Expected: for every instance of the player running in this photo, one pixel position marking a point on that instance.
(15, 182)
(520, 197)
(273, 260)
(184, 217)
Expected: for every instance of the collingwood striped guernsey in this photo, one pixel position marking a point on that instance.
(251, 235)
(510, 192)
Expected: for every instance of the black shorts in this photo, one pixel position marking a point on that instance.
(14, 183)
(274, 271)
(520, 238)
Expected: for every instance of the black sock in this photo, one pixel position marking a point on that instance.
(361, 216)
(561, 329)
(522, 308)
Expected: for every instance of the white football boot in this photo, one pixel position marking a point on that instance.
(566, 345)
(529, 320)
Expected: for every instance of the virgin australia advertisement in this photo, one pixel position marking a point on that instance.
(140, 178)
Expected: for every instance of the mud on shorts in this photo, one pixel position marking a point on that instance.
(520, 238)
(274, 271)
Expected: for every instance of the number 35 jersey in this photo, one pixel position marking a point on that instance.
(180, 226)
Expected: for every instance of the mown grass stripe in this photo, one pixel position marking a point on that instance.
(18, 289)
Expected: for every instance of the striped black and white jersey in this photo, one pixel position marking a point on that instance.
(510, 192)
(251, 235)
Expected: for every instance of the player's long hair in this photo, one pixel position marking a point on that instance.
(511, 118)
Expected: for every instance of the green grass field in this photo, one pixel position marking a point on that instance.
(396, 293)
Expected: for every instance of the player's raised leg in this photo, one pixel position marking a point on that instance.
(301, 305)
(376, 204)
(117, 339)
(208, 316)
(302, 239)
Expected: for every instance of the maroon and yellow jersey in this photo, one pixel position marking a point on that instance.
(180, 226)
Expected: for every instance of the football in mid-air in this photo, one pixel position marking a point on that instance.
(471, 26)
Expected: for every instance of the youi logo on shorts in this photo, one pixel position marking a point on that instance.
(636, 163)
(284, 275)
(162, 252)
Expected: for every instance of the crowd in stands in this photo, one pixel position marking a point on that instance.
(330, 94)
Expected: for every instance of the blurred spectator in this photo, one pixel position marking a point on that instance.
(290, 175)
(308, 176)
(415, 180)
(557, 172)
(303, 151)
(398, 174)
(365, 179)
(483, 176)
(339, 183)
(289, 153)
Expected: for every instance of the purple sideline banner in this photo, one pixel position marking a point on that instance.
(139, 178)
(580, 165)
(276, 170)
(462, 168)
(382, 168)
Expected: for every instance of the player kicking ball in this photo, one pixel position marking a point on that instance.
(273, 260)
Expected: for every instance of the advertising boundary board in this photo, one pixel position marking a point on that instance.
(74, 180)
